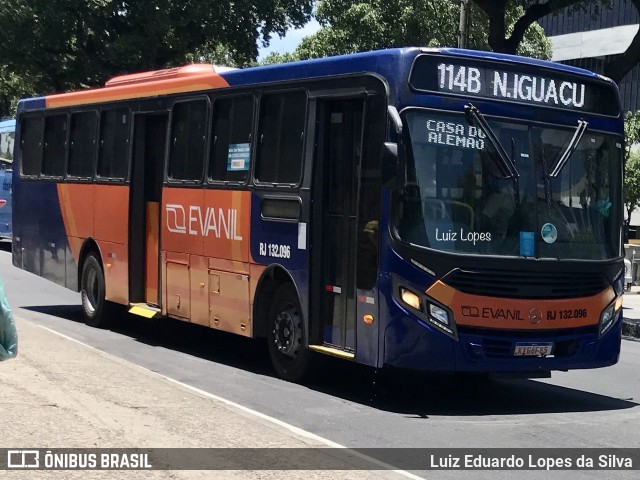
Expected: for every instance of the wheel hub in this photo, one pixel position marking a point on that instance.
(285, 332)
(91, 289)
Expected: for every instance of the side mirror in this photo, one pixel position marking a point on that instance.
(393, 167)
(392, 172)
(395, 119)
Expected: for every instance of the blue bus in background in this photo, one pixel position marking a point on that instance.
(7, 137)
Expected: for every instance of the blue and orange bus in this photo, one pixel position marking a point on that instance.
(7, 136)
(431, 209)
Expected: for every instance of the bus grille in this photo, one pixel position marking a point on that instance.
(497, 348)
(508, 284)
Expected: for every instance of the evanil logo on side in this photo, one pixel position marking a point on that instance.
(217, 222)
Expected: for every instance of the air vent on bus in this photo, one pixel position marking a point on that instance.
(194, 70)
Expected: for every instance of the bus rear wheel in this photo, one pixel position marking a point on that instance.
(92, 292)
(290, 357)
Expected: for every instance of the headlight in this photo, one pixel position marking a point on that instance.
(608, 316)
(410, 298)
(438, 314)
(426, 309)
(618, 283)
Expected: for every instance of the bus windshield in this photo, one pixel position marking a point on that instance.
(560, 204)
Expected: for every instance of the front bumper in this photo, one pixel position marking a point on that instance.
(411, 343)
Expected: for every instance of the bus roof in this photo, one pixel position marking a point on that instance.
(352, 63)
(204, 77)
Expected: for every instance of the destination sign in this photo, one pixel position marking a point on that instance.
(513, 83)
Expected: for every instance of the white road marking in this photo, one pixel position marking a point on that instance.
(280, 423)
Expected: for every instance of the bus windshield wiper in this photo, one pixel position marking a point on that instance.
(573, 144)
(505, 164)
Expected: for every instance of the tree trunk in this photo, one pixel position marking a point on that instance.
(617, 67)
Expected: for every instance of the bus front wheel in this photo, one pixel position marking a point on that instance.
(92, 292)
(285, 336)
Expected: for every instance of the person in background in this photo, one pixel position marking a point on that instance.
(8, 334)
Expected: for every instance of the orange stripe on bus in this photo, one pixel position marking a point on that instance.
(441, 292)
(76, 205)
(521, 314)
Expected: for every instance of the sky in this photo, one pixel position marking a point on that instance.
(291, 40)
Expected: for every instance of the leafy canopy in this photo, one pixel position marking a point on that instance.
(360, 25)
(58, 45)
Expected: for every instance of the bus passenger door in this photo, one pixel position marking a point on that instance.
(150, 131)
(337, 164)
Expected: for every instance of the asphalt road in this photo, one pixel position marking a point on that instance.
(357, 407)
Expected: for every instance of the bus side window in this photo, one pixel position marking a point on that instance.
(114, 143)
(31, 145)
(188, 136)
(82, 144)
(231, 139)
(55, 140)
(281, 137)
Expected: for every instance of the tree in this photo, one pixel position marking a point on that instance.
(360, 25)
(632, 185)
(631, 132)
(59, 45)
(276, 57)
(631, 164)
(501, 39)
(12, 88)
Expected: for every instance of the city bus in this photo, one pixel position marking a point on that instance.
(419, 208)
(7, 136)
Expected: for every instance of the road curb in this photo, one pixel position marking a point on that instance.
(631, 328)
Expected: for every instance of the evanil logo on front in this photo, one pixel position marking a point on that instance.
(217, 222)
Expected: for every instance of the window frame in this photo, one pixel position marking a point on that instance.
(45, 116)
(253, 149)
(207, 131)
(23, 118)
(281, 185)
(114, 180)
(93, 176)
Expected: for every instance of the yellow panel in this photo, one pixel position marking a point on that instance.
(332, 351)
(143, 312)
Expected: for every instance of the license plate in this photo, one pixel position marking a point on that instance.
(533, 349)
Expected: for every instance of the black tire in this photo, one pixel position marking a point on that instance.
(290, 357)
(92, 292)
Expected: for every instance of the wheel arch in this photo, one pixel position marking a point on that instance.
(88, 246)
(273, 277)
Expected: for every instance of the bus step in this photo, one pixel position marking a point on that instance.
(333, 351)
(144, 310)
